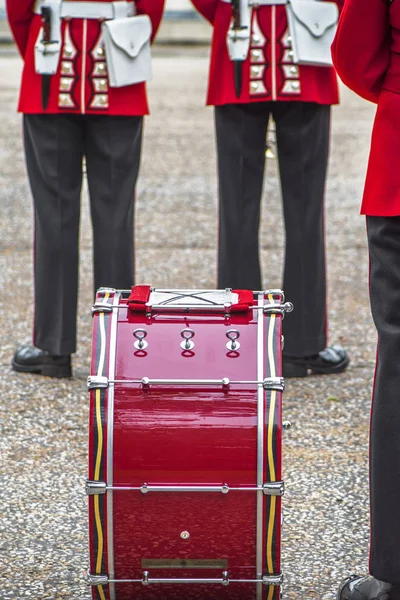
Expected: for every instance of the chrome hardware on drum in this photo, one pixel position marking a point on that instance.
(185, 477)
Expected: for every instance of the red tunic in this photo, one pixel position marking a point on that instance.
(268, 72)
(81, 84)
(366, 53)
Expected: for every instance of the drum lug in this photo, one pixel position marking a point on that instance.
(277, 308)
(101, 307)
(274, 383)
(94, 488)
(140, 335)
(97, 382)
(225, 579)
(274, 488)
(145, 580)
(187, 335)
(233, 335)
(276, 293)
(275, 580)
(95, 580)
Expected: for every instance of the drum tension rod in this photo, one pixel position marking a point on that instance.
(271, 488)
(269, 383)
(275, 579)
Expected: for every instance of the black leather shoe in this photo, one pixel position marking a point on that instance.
(367, 588)
(334, 359)
(29, 359)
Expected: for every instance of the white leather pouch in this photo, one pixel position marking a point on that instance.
(312, 26)
(127, 46)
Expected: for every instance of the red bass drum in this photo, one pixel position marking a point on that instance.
(185, 445)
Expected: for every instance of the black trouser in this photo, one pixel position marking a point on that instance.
(302, 133)
(384, 249)
(54, 148)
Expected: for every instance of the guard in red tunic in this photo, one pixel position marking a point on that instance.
(366, 53)
(263, 80)
(80, 98)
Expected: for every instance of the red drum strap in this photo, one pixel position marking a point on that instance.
(140, 294)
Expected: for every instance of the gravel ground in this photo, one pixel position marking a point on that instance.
(44, 547)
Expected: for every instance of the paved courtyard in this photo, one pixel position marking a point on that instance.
(43, 440)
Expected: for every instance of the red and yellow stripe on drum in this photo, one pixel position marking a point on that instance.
(98, 438)
(273, 440)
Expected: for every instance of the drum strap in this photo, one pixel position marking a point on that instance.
(140, 294)
(245, 300)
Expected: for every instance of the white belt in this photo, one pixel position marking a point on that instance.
(93, 10)
(255, 3)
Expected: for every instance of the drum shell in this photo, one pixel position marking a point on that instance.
(174, 434)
